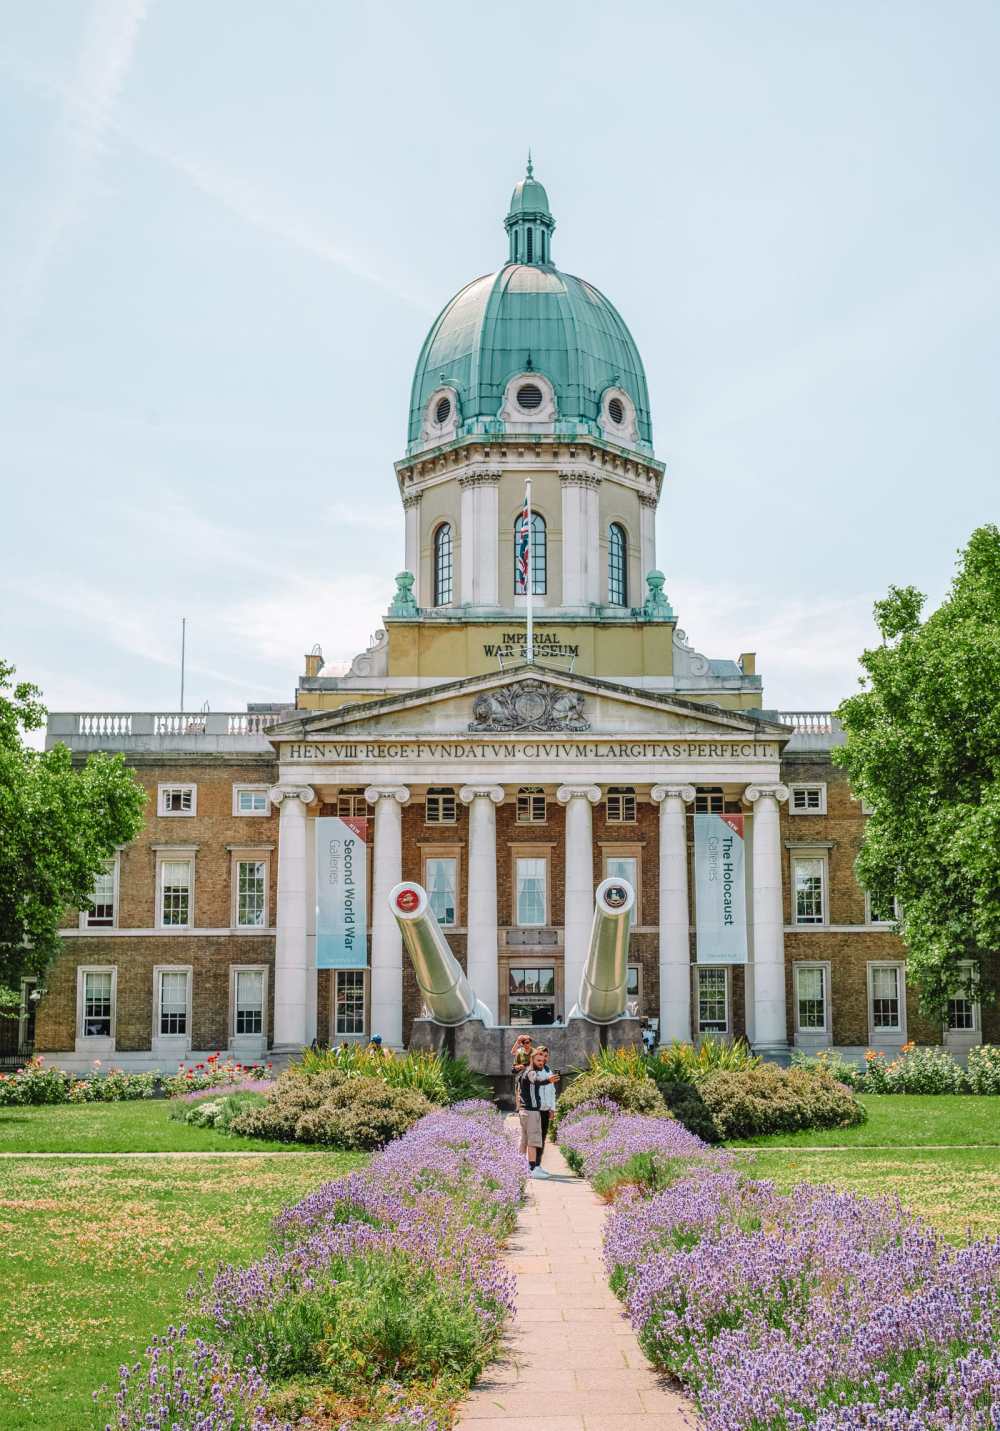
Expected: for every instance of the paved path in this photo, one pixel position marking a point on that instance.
(571, 1361)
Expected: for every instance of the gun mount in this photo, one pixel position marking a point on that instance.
(604, 984)
(446, 991)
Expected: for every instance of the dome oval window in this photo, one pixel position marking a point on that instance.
(529, 397)
(442, 411)
(616, 411)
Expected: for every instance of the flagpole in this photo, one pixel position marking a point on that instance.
(530, 580)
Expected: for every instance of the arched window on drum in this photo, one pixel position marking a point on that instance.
(537, 559)
(617, 565)
(444, 584)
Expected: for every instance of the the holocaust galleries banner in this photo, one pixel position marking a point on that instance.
(341, 893)
(720, 889)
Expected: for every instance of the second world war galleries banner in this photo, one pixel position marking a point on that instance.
(720, 889)
(341, 893)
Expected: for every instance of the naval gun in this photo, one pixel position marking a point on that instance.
(446, 991)
(604, 983)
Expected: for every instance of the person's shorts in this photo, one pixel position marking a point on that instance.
(531, 1129)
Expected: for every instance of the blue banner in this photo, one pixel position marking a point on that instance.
(341, 893)
(720, 890)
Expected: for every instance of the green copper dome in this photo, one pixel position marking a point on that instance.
(529, 317)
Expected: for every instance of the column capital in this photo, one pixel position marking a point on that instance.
(580, 479)
(399, 793)
(278, 793)
(672, 792)
(753, 793)
(468, 793)
(480, 476)
(412, 499)
(566, 793)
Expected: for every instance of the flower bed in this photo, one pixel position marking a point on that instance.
(383, 1295)
(39, 1083)
(816, 1310)
(914, 1070)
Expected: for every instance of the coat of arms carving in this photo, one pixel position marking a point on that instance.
(528, 705)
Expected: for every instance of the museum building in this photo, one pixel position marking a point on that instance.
(508, 786)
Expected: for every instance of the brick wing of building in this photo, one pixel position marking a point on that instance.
(508, 786)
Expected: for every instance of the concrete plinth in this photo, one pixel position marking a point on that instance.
(487, 1050)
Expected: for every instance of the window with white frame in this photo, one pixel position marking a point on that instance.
(886, 989)
(633, 986)
(875, 914)
(248, 1002)
(713, 999)
(811, 1005)
(104, 898)
(177, 799)
(251, 894)
(441, 874)
(620, 805)
(176, 880)
(251, 800)
(962, 1013)
(349, 1002)
(531, 901)
(807, 799)
(531, 805)
(808, 889)
(440, 807)
(352, 805)
(173, 1001)
(97, 993)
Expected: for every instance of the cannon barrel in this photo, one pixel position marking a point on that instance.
(604, 985)
(446, 991)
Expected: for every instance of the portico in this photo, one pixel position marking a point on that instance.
(478, 745)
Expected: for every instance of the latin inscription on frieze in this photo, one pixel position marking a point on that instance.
(571, 750)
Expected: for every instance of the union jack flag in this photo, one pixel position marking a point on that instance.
(523, 548)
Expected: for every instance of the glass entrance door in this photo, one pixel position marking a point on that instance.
(531, 994)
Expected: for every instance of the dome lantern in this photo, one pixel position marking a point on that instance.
(529, 222)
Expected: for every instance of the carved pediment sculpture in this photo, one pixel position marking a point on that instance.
(528, 705)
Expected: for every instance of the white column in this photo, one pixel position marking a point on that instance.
(291, 1000)
(770, 1023)
(580, 539)
(579, 908)
(387, 944)
(675, 920)
(411, 561)
(595, 583)
(647, 544)
(479, 538)
(481, 916)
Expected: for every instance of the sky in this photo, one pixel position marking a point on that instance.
(228, 227)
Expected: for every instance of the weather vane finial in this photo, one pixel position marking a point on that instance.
(531, 167)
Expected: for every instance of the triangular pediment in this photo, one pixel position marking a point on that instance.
(527, 700)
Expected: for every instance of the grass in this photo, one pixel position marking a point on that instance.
(904, 1120)
(96, 1256)
(141, 1127)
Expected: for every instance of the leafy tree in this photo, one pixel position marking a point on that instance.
(58, 826)
(923, 750)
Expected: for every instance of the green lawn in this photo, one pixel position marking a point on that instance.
(142, 1127)
(905, 1120)
(97, 1255)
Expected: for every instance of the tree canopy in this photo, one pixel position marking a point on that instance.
(923, 751)
(59, 825)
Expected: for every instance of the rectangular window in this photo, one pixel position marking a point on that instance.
(173, 1001)
(249, 1001)
(962, 1015)
(178, 799)
(531, 805)
(175, 894)
(709, 800)
(808, 892)
(623, 867)
(885, 994)
(352, 805)
(102, 916)
(441, 807)
(807, 800)
(251, 800)
(97, 984)
(713, 1002)
(877, 915)
(349, 1000)
(810, 997)
(531, 902)
(442, 889)
(620, 805)
(251, 894)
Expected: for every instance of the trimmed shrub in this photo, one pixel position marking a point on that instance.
(335, 1109)
(631, 1094)
(687, 1105)
(768, 1099)
(984, 1069)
